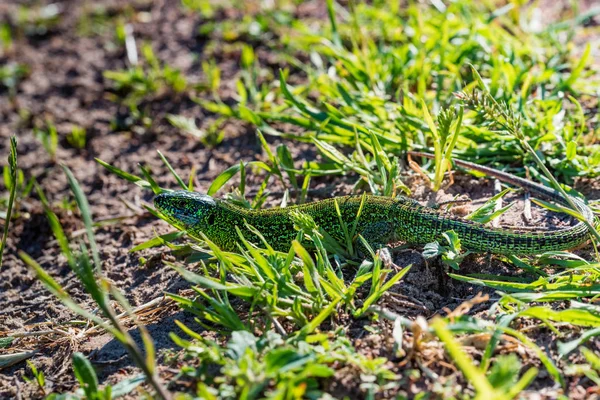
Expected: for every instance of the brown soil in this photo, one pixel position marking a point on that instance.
(65, 85)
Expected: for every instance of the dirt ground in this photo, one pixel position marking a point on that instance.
(65, 85)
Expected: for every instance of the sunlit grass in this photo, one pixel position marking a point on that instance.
(465, 80)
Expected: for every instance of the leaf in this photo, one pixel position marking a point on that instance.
(6, 341)
(149, 349)
(287, 162)
(505, 371)
(578, 69)
(319, 319)
(158, 241)
(153, 185)
(335, 36)
(12, 165)
(559, 208)
(308, 267)
(580, 317)
(86, 215)
(125, 175)
(57, 229)
(565, 348)
(479, 381)
(505, 286)
(478, 78)
(591, 358)
(486, 212)
(187, 125)
(125, 386)
(379, 153)
(282, 360)
(429, 120)
(240, 342)
(331, 152)
(63, 296)
(211, 283)
(432, 250)
(6, 360)
(246, 114)
(379, 292)
(85, 374)
(222, 179)
(453, 240)
(571, 150)
(541, 354)
(177, 177)
(229, 173)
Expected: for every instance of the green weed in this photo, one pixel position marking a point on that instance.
(88, 271)
(143, 81)
(275, 367)
(502, 383)
(464, 79)
(210, 137)
(38, 20)
(11, 74)
(366, 77)
(38, 376)
(6, 38)
(88, 381)
(48, 137)
(11, 183)
(78, 137)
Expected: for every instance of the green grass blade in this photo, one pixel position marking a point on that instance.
(153, 185)
(565, 348)
(229, 173)
(57, 290)
(86, 215)
(472, 373)
(379, 292)
(319, 319)
(125, 175)
(487, 212)
(177, 177)
(12, 165)
(544, 358)
(158, 241)
(57, 229)
(85, 374)
(578, 317)
(559, 208)
(213, 284)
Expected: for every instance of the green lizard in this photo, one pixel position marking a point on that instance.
(382, 220)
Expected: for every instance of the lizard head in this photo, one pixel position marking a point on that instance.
(186, 209)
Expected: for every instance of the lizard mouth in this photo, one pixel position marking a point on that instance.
(176, 207)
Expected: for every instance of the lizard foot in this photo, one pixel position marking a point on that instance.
(385, 255)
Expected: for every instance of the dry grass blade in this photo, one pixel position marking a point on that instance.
(6, 360)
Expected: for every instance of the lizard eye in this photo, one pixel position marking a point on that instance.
(211, 219)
